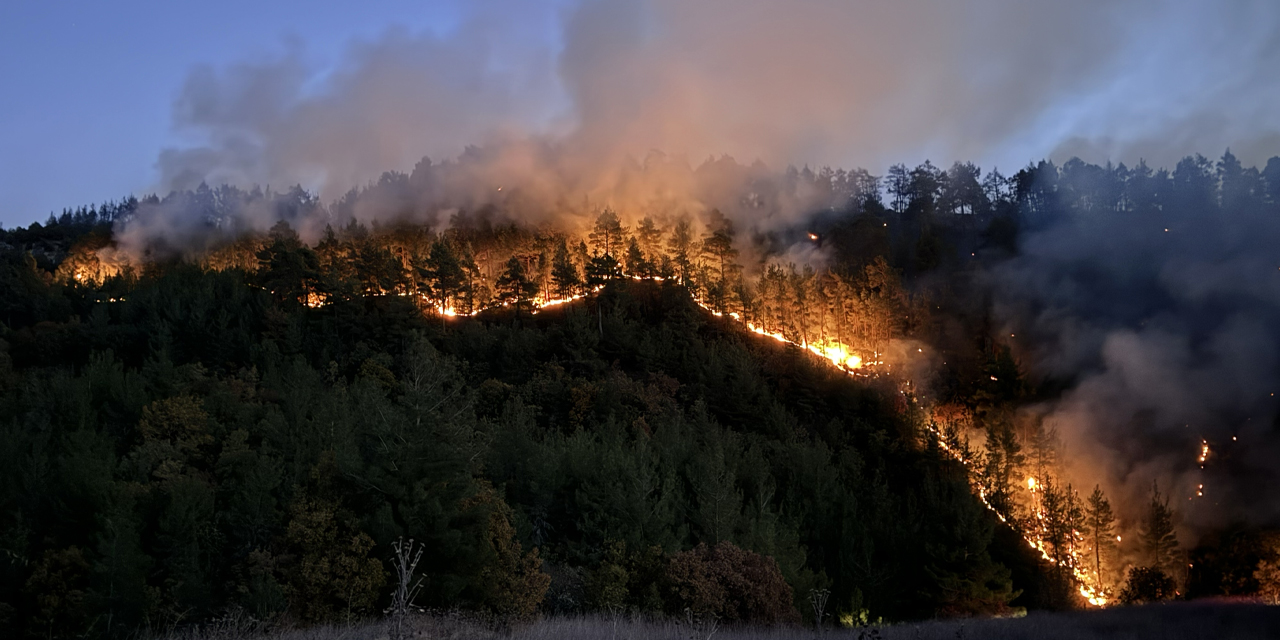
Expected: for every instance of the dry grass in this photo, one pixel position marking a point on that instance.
(1184, 621)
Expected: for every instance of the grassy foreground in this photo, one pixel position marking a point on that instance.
(1182, 621)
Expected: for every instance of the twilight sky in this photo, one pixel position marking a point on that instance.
(104, 99)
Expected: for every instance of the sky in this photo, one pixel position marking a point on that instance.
(89, 86)
(105, 99)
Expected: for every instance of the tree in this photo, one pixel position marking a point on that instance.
(1268, 577)
(650, 238)
(681, 247)
(898, 183)
(1001, 465)
(287, 268)
(1100, 527)
(445, 273)
(1194, 186)
(333, 577)
(404, 567)
(720, 255)
(1056, 514)
(1159, 542)
(601, 269)
(964, 193)
(637, 265)
(511, 581)
(1271, 183)
(607, 234)
(515, 287)
(564, 273)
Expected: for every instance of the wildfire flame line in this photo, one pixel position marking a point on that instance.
(1093, 595)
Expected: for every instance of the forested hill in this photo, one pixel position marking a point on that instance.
(200, 444)
(230, 419)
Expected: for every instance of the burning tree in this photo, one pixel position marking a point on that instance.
(608, 234)
(1100, 525)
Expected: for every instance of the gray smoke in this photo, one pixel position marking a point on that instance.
(1168, 328)
(823, 82)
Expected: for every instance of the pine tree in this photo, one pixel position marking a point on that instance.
(515, 287)
(602, 268)
(564, 273)
(637, 265)
(650, 239)
(445, 273)
(286, 267)
(1001, 466)
(607, 235)
(1100, 525)
(681, 246)
(1159, 541)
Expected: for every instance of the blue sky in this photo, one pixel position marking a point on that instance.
(88, 86)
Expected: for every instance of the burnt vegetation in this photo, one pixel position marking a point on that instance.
(255, 425)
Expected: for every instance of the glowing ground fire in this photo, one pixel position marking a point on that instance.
(1034, 538)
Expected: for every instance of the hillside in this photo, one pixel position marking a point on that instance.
(200, 444)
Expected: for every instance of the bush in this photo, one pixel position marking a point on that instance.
(732, 583)
(1147, 584)
(1268, 577)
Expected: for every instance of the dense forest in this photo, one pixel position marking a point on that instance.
(565, 419)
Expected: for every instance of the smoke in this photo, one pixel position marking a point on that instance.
(1168, 330)
(822, 82)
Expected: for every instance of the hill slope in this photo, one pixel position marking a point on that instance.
(198, 445)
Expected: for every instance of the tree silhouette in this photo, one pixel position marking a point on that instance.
(564, 273)
(1100, 523)
(514, 286)
(1159, 542)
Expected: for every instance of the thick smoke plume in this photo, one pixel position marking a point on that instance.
(1168, 329)
(823, 82)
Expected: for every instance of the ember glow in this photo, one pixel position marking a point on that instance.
(1033, 527)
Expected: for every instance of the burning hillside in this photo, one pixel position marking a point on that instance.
(888, 362)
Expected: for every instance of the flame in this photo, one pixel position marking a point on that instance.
(1204, 452)
(813, 237)
(1093, 595)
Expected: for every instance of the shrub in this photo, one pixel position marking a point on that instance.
(1268, 577)
(1147, 584)
(729, 582)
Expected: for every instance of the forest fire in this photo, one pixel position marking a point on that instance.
(1055, 545)
(847, 318)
